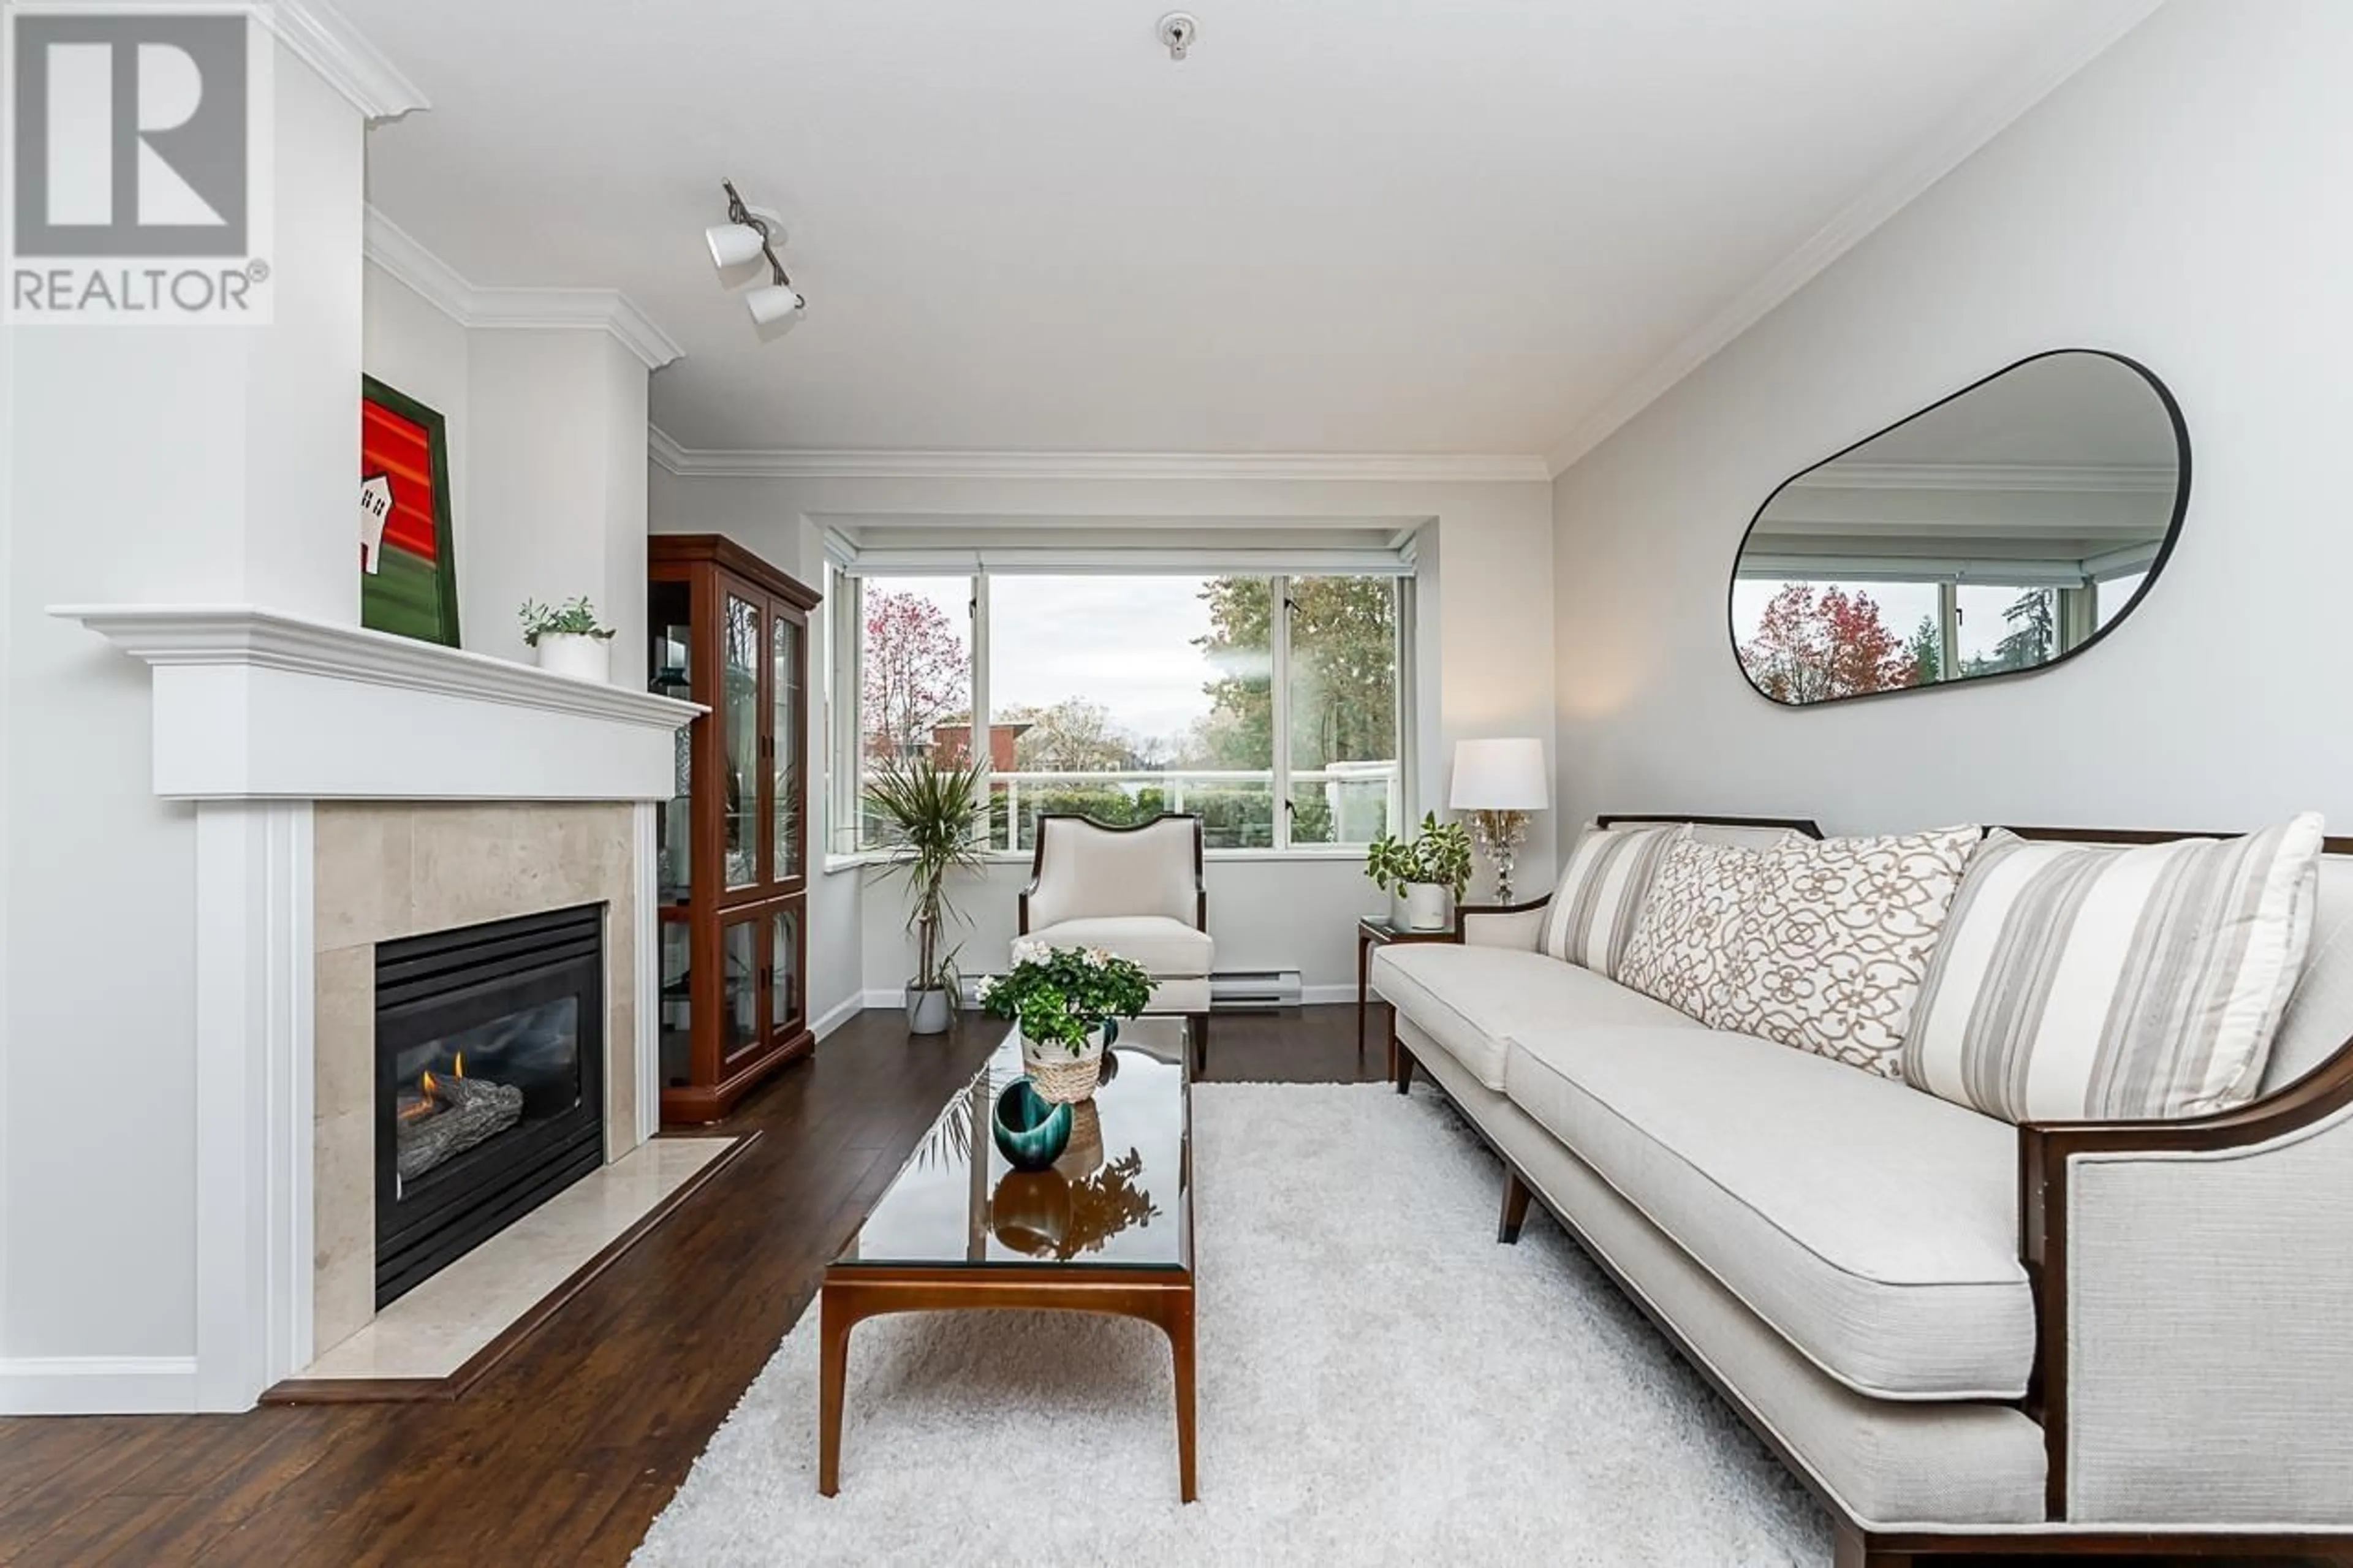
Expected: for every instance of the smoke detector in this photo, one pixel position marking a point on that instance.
(1179, 30)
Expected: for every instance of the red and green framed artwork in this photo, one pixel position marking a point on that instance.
(408, 576)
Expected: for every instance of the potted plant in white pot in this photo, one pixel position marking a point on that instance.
(932, 814)
(1419, 874)
(1071, 1002)
(567, 640)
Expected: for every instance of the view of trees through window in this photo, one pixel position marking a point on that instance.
(1121, 697)
(1811, 641)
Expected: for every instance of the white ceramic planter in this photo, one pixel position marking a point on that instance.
(929, 1012)
(1423, 908)
(576, 655)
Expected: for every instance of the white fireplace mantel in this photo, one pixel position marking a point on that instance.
(255, 704)
(258, 715)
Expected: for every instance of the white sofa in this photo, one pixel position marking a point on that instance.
(1964, 1336)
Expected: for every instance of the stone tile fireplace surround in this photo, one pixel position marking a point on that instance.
(386, 870)
(350, 787)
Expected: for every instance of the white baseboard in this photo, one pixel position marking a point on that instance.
(834, 1017)
(1320, 996)
(98, 1385)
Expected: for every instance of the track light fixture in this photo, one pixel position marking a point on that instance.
(751, 234)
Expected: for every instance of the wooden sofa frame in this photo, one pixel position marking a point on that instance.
(2043, 1150)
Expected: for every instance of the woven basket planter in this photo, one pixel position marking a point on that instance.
(1061, 1077)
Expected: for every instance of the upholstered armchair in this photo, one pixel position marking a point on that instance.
(1136, 891)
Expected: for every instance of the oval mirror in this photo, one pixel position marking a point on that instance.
(1999, 531)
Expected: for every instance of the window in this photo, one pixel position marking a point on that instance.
(2005, 628)
(913, 680)
(1268, 705)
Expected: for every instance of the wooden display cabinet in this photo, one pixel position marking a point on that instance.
(727, 630)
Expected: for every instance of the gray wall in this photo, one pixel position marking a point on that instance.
(2182, 201)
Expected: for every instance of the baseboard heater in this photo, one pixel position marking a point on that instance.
(1235, 991)
(1253, 991)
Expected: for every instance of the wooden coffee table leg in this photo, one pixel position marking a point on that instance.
(1177, 1320)
(834, 1323)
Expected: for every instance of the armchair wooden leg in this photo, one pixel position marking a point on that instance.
(1198, 1031)
(1515, 1208)
(1400, 1064)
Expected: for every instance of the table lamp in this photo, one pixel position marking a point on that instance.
(1499, 782)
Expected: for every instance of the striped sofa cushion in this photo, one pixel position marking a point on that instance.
(2077, 982)
(1601, 893)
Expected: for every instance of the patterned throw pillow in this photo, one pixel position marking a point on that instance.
(2078, 981)
(1836, 940)
(1691, 926)
(1601, 894)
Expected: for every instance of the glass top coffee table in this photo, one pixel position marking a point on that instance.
(1109, 1228)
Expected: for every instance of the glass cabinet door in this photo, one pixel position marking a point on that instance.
(785, 1001)
(741, 956)
(786, 740)
(669, 672)
(739, 740)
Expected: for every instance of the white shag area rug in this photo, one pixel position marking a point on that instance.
(1379, 1382)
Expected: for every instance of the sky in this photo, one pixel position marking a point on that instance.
(1125, 642)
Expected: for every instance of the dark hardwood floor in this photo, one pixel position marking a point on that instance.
(566, 1451)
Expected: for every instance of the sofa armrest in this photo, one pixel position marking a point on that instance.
(1501, 925)
(2190, 1276)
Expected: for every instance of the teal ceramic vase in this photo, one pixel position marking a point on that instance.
(1031, 1131)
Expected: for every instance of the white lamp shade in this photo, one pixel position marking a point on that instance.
(778, 305)
(732, 244)
(1501, 776)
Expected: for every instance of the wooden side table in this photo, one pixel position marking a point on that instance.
(1372, 931)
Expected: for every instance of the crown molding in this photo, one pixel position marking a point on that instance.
(2160, 478)
(324, 40)
(664, 451)
(1389, 469)
(398, 252)
(2029, 80)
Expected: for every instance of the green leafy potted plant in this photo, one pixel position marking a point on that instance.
(567, 640)
(933, 815)
(1069, 1002)
(1419, 873)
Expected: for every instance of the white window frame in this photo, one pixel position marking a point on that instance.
(846, 683)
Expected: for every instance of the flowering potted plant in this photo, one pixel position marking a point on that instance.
(567, 640)
(1069, 1002)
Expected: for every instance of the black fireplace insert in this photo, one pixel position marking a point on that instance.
(490, 1045)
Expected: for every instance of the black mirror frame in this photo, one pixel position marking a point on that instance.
(2156, 568)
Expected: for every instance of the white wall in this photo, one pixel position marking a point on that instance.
(548, 486)
(1485, 624)
(162, 464)
(2180, 200)
(556, 483)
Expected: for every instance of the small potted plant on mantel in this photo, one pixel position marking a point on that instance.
(1071, 1002)
(933, 815)
(1419, 873)
(567, 639)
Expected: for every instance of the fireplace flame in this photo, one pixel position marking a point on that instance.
(431, 1099)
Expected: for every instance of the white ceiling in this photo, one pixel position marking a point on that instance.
(1382, 226)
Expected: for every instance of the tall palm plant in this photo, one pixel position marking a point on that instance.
(934, 813)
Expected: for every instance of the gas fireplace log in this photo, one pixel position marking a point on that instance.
(472, 1110)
